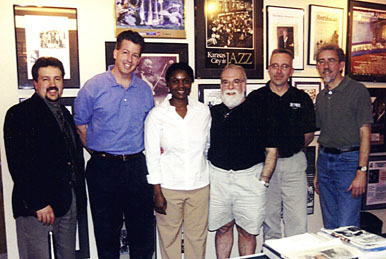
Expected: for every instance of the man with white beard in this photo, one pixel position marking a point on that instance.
(242, 156)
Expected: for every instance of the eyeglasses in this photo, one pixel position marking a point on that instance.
(235, 83)
(283, 67)
(329, 61)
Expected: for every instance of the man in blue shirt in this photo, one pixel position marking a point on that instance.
(110, 111)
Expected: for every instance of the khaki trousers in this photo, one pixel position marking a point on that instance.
(190, 210)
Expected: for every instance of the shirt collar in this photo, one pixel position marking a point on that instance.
(290, 89)
(192, 103)
(113, 81)
(341, 87)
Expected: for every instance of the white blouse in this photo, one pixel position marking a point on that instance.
(182, 164)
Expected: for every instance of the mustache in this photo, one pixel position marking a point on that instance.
(327, 70)
(228, 91)
(52, 88)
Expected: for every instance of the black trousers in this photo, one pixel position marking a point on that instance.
(118, 191)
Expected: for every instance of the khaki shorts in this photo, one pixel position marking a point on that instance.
(237, 195)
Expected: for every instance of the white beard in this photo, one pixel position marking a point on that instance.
(232, 101)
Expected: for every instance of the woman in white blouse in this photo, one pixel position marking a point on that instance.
(176, 141)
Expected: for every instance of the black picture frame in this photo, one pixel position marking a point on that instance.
(374, 197)
(24, 56)
(325, 27)
(215, 47)
(366, 45)
(378, 101)
(209, 94)
(311, 85)
(291, 20)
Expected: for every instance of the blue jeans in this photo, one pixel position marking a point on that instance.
(335, 174)
(118, 191)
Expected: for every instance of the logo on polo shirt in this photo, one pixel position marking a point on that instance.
(295, 105)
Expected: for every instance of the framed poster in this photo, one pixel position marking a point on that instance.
(374, 197)
(229, 34)
(46, 31)
(366, 45)
(155, 60)
(378, 100)
(285, 29)
(325, 26)
(311, 85)
(151, 18)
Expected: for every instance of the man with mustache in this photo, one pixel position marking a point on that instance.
(292, 111)
(343, 114)
(110, 113)
(242, 158)
(45, 159)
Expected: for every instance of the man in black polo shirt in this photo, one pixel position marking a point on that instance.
(292, 112)
(242, 157)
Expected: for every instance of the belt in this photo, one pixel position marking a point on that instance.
(115, 157)
(333, 150)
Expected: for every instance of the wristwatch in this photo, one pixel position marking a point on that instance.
(362, 168)
(266, 184)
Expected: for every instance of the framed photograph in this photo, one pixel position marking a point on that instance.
(229, 34)
(46, 31)
(311, 85)
(374, 197)
(285, 29)
(155, 60)
(325, 26)
(378, 100)
(151, 18)
(209, 94)
(366, 44)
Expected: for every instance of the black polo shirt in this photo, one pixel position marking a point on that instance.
(292, 115)
(238, 137)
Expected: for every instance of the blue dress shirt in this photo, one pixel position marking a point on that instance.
(114, 115)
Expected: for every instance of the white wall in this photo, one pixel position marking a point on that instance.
(95, 26)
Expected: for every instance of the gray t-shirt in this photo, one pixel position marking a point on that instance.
(341, 112)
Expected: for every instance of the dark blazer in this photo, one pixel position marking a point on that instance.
(39, 162)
